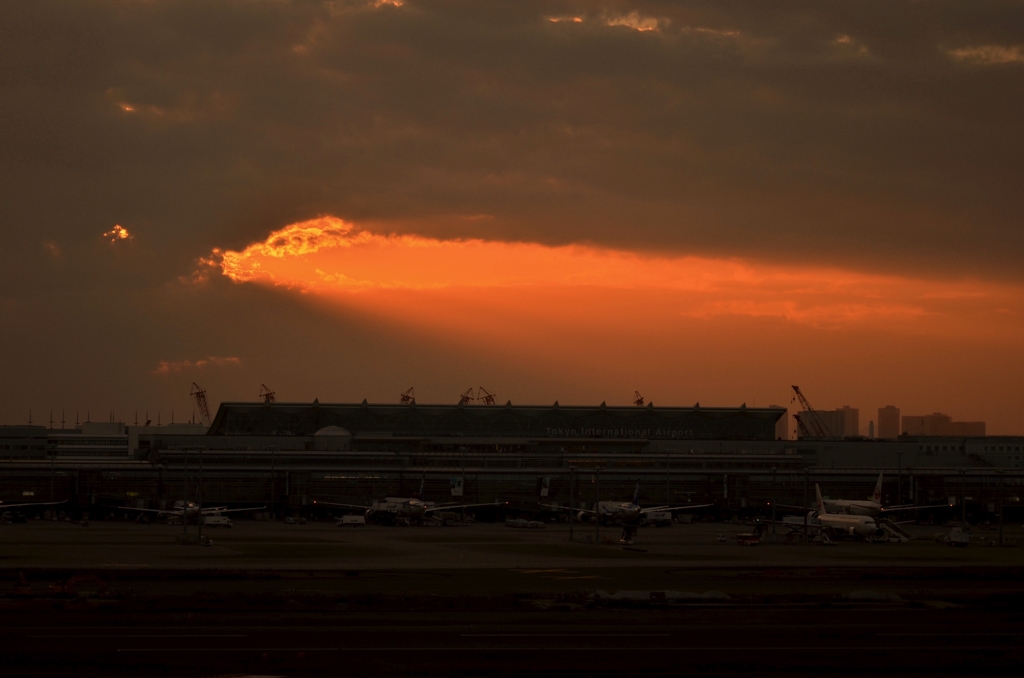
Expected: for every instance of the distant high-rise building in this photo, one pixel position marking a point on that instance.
(871, 429)
(939, 424)
(851, 420)
(888, 422)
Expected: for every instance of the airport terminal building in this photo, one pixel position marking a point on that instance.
(292, 454)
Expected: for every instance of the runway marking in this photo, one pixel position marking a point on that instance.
(950, 634)
(566, 635)
(155, 635)
(630, 648)
(231, 649)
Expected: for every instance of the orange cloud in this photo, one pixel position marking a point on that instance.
(989, 54)
(635, 21)
(174, 366)
(596, 320)
(118, 232)
(332, 259)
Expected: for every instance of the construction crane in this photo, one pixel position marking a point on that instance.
(820, 430)
(802, 430)
(485, 396)
(638, 399)
(409, 397)
(266, 394)
(467, 397)
(199, 395)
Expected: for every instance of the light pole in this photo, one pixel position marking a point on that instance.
(899, 477)
(273, 489)
(184, 506)
(1000, 507)
(199, 501)
(668, 488)
(963, 499)
(572, 494)
(806, 512)
(53, 455)
(773, 499)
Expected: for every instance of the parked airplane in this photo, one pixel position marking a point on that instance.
(18, 517)
(192, 511)
(4, 506)
(628, 513)
(872, 506)
(845, 523)
(408, 509)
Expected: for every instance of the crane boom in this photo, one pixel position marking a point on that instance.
(820, 430)
(199, 395)
(804, 432)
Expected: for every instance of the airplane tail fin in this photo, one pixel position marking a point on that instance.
(821, 502)
(877, 496)
(636, 493)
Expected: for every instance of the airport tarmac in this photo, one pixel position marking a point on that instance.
(485, 599)
(323, 546)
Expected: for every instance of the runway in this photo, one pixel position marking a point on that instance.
(515, 641)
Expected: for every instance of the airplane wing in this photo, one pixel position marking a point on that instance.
(793, 506)
(568, 508)
(236, 510)
(460, 506)
(894, 509)
(673, 508)
(37, 503)
(166, 512)
(331, 503)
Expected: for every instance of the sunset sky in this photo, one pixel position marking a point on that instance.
(703, 201)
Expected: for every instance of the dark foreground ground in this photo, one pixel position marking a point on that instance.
(487, 601)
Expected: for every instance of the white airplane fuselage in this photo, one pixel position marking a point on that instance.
(189, 511)
(854, 507)
(845, 523)
(624, 511)
(851, 525)
(402, 507)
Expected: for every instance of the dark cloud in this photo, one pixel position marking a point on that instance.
(831, 133)
(820, 130)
